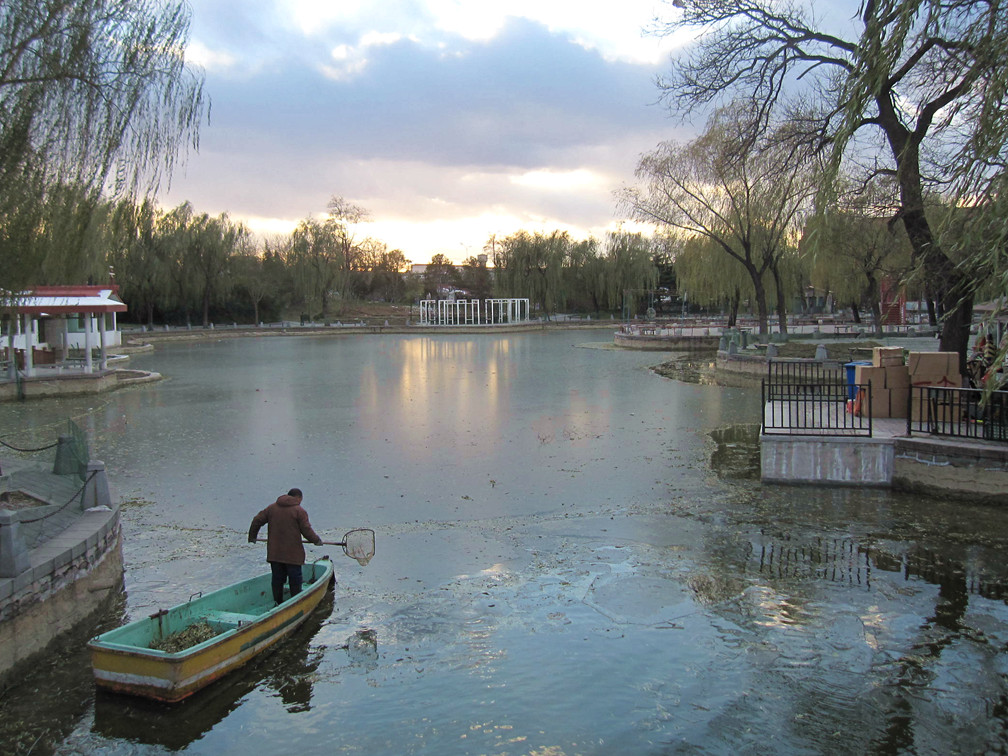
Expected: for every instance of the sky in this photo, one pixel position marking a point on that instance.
(449, 121)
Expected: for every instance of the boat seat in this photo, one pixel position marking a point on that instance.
(233, 618)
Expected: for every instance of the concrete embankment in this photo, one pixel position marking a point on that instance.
(51, 384)
(60, 559)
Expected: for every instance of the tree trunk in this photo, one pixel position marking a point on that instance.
(874, 301)
(953, 292)
(762, 312)
(856, 312)
(781, 300)
(932, 312)
(876, 313)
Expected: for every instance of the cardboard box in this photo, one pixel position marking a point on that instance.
(953, 380)
(897, 376)
(865, 373)
(947, 413)
(933, 363)
(941, 411)
(887, 356)
(880, 398)
(898, 398)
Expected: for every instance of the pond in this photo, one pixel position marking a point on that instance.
(574, 556)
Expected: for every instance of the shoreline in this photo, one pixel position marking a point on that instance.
(199, 333)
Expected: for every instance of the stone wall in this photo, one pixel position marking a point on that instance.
(49, 588)
(58, 385)
(829, 460)
(750, 365)
(972, 471)
(963, 470)
(688, 344)
(54, 602)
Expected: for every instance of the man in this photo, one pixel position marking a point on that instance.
(287, 522)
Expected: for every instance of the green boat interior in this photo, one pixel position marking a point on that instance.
(226, 609)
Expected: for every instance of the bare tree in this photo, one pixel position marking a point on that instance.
(914, 88)
(343, 216)
(746, 197)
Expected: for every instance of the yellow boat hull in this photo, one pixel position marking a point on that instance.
(122, 664)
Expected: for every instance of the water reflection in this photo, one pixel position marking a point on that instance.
(737, 451)
(40, 704)
(850, 561)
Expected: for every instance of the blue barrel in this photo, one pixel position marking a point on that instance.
(851, 383)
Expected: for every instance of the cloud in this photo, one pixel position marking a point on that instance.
(417, 122)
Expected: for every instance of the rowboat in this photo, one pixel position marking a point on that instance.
(242, 615)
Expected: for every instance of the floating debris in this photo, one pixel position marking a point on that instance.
(187, 638)
(19, 500)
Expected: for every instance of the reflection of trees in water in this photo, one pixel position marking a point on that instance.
(46, 696)
(737, 451)
(958, 576)
(847, 560)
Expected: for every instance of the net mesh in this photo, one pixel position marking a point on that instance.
(359, 545)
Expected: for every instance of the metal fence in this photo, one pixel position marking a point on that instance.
(805, 371)
(814, 398)
(958, 413)
(817, 409)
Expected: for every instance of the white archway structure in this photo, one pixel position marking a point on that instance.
(437, 312)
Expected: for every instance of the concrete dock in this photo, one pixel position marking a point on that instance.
(889, 458)
(60, 560)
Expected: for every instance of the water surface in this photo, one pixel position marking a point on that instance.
(573, 557)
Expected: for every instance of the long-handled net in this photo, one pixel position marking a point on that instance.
(359, 544)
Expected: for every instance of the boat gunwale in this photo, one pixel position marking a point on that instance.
(178, 657)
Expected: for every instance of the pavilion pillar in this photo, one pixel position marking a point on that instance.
(65, 346)
(103, 362)
(29, 359)
(88, 361)
(12, 367)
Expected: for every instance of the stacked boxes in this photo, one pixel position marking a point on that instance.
(890, 382)
(933, 369)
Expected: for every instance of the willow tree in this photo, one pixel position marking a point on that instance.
(586, 282)
(315, 261)
(853, 248)
(748, 196)
(707, 278)
(74, 235)
(531, 265)
(213, 243)
(629, 265)
(913, 88)
(94, 94)
(140, 258)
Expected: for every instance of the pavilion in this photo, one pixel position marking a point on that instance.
(43, 325)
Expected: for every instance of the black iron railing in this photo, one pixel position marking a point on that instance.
(805, 371)
(814, 409)
(958, 413)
